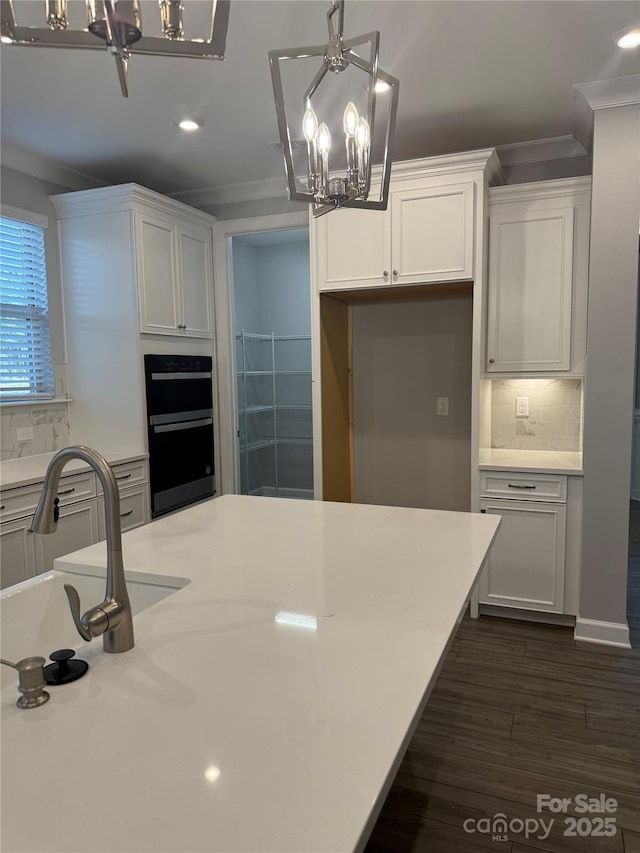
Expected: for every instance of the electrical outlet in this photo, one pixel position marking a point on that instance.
(522, 407)
(442, 406)
(24, 434)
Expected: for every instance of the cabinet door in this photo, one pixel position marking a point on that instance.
(157, 270)
(195, 277)
(530, 290)
(432, 234)
(16, 552)
(525, 568)
(77, 528)
(353, 249)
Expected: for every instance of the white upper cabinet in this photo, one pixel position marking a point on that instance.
(354, 249)
(157, 270)
(432, 234)
(425, 235)
(538, 258)
(166, 245)
(174, 276)
(195, 279)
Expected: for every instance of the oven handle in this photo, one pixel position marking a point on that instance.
(163, 377)
(177, 417)
(184, 425)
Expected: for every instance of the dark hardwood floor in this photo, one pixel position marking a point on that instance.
(521, 709)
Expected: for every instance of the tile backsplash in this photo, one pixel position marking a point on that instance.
(50, 422)
(555, 414)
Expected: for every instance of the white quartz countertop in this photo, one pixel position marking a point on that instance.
(533, 461)
(31, 469)
(266, 704)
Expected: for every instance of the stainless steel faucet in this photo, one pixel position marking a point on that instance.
(112, 618)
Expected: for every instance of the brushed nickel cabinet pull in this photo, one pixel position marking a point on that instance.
(67, 491)
(513, 486)
(125, 514)
(123, 477)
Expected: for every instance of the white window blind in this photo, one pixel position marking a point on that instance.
(25, 349)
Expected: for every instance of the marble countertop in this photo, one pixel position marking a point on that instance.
(31, 469)
(266, 704)
(534, 461)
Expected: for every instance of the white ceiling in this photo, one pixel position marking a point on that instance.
(472, 74)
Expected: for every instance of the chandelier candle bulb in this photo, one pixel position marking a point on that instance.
(310, 131)
(350, 121)
(324, 146)
(363, 136)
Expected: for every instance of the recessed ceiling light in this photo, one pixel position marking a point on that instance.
(627, 38)
(189, 124)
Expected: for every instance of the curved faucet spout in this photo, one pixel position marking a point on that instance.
(117, 630)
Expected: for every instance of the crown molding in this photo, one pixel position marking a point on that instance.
(613, 92)
(539, 150)
(541, 190)
(37, 166)
(124, 198)
(484, 160)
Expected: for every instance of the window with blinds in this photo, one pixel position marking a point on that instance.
(26, 370)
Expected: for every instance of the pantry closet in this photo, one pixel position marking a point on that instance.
(273, 363)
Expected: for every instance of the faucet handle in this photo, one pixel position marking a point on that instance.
(74, 606)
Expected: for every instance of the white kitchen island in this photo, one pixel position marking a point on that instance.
(266, 704)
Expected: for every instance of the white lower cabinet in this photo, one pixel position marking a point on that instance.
(77, 528)
(17, 554)
(81, 522)
(24, 554)
(526, 565)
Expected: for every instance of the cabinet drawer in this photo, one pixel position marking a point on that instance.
(15, 503)
(130, 474)
(521, 486)
(134, 510)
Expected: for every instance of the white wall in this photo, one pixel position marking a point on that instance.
(245, 289)
(609, 388)
(405, 355)
(285, 288)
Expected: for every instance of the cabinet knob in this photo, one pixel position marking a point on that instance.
(386, 274)
(395, 272)
(491, 360)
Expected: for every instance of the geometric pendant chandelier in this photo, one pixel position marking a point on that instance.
(332, 130)
(116, 25)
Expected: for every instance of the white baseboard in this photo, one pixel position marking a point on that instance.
(605, 633)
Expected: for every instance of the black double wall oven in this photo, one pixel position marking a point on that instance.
(180, 424)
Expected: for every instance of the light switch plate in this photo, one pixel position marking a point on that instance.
(24, 433)
(442, 406)
(522, 407)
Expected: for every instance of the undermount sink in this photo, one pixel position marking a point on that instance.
(35, 615)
